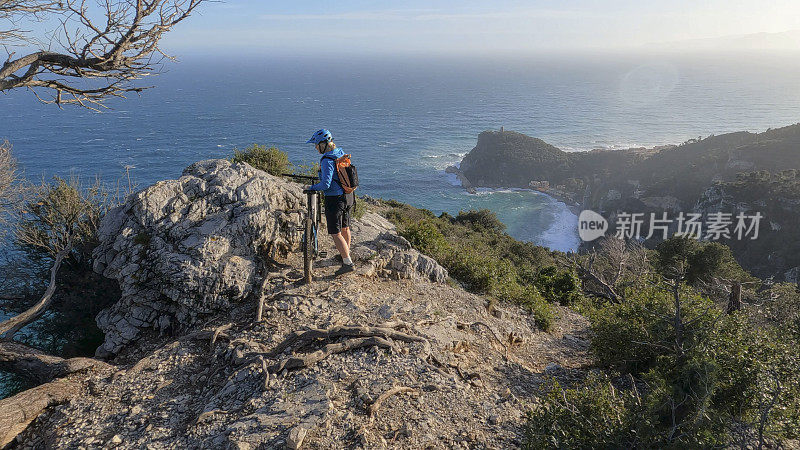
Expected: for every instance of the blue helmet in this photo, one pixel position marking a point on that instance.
(320, 136)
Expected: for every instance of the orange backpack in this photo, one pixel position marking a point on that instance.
(348, 175)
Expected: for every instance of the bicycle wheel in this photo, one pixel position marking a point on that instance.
(308, 249)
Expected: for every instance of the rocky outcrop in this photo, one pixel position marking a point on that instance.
(184, 249)
(383, 252)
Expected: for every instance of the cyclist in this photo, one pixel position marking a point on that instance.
(337, 203)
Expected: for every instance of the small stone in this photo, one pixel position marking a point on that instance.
(116, 440)
(386, 312)
(296, 437)
(494, 419)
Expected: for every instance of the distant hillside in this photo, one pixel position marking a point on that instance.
(508, 158)
(672, 178)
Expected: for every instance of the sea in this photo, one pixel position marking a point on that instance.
(405, 119)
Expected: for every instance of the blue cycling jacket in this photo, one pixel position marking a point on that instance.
(328, 178)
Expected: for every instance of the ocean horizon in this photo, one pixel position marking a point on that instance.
(406, 120)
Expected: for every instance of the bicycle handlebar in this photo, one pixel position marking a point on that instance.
(302, 177)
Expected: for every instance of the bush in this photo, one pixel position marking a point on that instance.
(359, 209)
(592, 415)
(633, 335)
(470, 259)
(270, 160)
(559, 286)
(718, 383)
(425, 237)
(480, 220)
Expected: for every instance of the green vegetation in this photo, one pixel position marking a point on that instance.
(270, 160)
(676, 369)
(59, 216)
(478, 254)
(592, 415)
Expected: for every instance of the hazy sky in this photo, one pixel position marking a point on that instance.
(358, 26)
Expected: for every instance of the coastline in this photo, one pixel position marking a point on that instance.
(574, 206)
(561, 233)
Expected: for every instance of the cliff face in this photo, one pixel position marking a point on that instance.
(776, 197)
(390, 355)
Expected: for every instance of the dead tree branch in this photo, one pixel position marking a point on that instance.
(102, 53)
(11, 326)
(17, 412)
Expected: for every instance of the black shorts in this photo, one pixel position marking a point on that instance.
(337, 213)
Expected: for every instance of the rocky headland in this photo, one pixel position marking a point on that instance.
(393, 355)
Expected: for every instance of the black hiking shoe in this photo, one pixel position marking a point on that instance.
(346, 268)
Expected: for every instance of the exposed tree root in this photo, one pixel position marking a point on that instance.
(373, 408)
(309, 359)
(298, 340)
(494, 334)
(17, 412)
(39, 366)
(211, 335)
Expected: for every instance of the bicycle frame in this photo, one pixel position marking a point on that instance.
(310, 241)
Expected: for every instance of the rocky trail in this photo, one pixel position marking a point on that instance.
(390, 356)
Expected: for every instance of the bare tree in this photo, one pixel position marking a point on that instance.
(58, 217)
(12, 11)
(104, 47)
(606, 271)
(97, 52)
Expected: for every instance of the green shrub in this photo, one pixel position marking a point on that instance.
(359, 209)
(468, 259)
(270, 160)
(559, 286)
(480, 220)
(425, 237)
(592, 415)
(632, 336)
(718, 381)
(543, 314)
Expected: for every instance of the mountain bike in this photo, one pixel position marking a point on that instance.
(309, 241)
